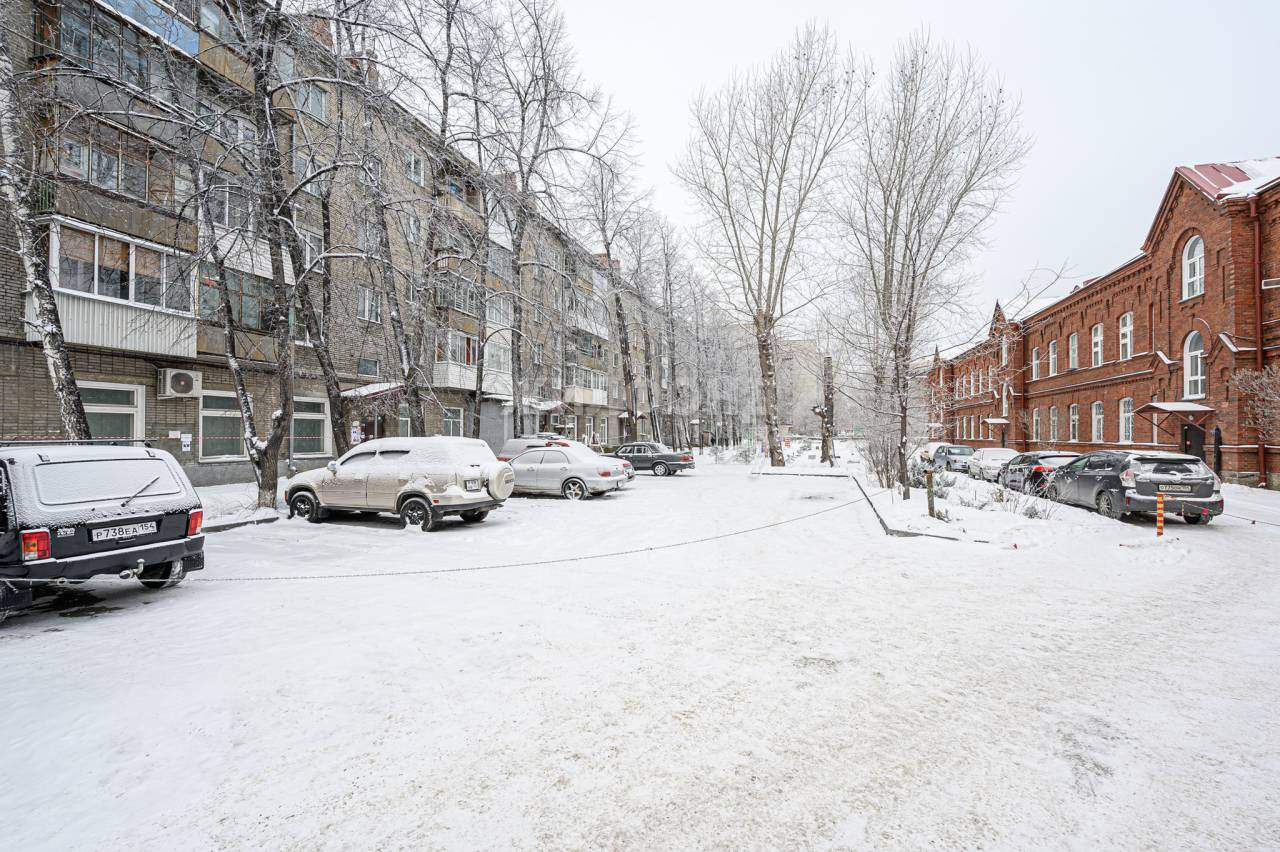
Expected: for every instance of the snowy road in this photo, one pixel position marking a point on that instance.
(815, 684)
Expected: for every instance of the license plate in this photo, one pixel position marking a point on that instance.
(473, 485)
(125, 531)
(1176, 489)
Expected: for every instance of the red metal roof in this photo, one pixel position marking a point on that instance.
(1233, 180)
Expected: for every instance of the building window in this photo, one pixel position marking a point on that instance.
(249, 296)
(1073, 351)
(368, 305)
(500, 310)
(415, 167)
(1004, 402)
(309, 436)
(497, 357)
(1193, 367)
(1053, 357)
(1099, 417)
(1035, 424)
(1053, 423)
(1126, 337)
(1035, 362)
(1073, 422)
(114, 411)
(221, 428)
(458, 348)
(453, 422)
(1126, 420)
(413, 229)
(1004, 350)
(403, 423)
(119, 269)
(1193, 268)
(1096, 345)
(367, 367)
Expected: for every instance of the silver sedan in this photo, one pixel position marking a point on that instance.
(568, 471)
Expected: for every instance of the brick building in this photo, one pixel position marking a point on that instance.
(1145, 354)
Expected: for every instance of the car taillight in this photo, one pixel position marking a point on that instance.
(605, 472)
(1042, 468)
(1128, 478)
(504, 458)
(686, 458)
(195, 521)
(35, 545)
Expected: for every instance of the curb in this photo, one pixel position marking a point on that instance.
(237, 524)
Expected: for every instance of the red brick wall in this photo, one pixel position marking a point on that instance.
(1149, 287)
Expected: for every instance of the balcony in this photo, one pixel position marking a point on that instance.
(449, 374)
(91, 320)
(585, 396)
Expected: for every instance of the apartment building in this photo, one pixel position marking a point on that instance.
(1144, 355)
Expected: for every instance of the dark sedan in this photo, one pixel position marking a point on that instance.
(659, 458)
(1118, 482)
(1029, 472)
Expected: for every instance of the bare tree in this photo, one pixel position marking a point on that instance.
(1261, 389)
(762, 150)
(18, 180)
(938, 147)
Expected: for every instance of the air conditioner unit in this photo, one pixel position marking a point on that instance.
(178, 384)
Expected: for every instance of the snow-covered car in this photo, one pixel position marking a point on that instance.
(571, 471)
(421, 479)
(77, 510)
(986, 462)
(515, 446)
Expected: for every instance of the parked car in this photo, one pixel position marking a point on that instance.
(1029, 472)
(1118, 482)
(986, 462)
(628, 469)
(926, 452)
(659, 458)
(516, 446)
(77, 510)
(570, 471)
(952, 457)
(422, 480)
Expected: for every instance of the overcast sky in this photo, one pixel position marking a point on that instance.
(1115, 94)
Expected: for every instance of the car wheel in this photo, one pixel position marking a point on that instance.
(574, 489)
(416, 512)
(1107, 506)
(1051, 493)
(659, 469)
(304, 505)
(1196, 519)
(163, 576)
(475, 516)
(1028, 486)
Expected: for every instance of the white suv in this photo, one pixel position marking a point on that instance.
(420, 479)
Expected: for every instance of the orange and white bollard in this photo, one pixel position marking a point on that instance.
(1159, 515)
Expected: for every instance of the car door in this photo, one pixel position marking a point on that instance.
(1017, 468)
(526, 467)
(1066, 480)
(387, 475)
(553, 470)
(1093, 478)
(641, 457)
(346, 487)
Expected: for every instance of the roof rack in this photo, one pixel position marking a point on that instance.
(146, 442)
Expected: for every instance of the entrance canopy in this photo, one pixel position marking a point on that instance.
(996, 421)
(1187, 412)
(374, 390)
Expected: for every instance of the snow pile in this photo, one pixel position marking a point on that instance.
(236, 504)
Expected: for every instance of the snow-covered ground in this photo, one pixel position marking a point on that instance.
(810, 684)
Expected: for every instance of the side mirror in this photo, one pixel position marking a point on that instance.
(332, 467)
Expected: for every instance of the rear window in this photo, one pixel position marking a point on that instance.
(95, 480)
(1165, 467)
(960, 451)
(1055, 460)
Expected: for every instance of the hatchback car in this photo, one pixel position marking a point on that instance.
(659, 458)
(570, 471)
(952, 457)
(986, 462)
(1029, 472)
(1119, 482)
(420, 479)
(76, 510)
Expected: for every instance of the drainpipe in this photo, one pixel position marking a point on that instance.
(1259, 357)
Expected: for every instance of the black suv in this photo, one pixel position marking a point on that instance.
(1029, 472)
(659, 458)
(1117, 482)
(72, 511)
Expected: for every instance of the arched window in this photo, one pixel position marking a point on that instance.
(1126, 336)
(1073, 419)
(1193, 367)
(1035, 424)
(1126, 420)
(1053, 424)
(1193, 268)
(1095, 348)
(1098, 422)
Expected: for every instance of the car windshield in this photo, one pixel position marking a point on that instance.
(960, 451)
(999, 455)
